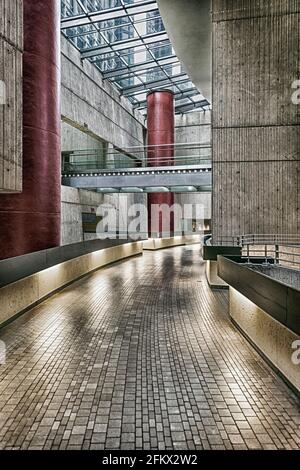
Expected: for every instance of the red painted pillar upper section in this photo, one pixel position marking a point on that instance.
(30, 221)
(161, 136)
(161, 128)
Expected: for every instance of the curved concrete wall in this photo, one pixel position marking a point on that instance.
(154, 244)
(189, 26)
(21, 295)
(267, 312)
(274, 340)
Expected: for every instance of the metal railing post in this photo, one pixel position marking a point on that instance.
(266, 254)
(277, 255)
(271, 247)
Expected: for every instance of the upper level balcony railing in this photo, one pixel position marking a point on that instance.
(281, 249)
(95, 160)
(258, 239)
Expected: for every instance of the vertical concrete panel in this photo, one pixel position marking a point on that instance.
(256, 133)
(11, 50)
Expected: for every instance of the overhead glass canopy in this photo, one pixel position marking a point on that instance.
(127, 41)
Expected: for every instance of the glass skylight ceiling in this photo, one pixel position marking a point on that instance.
(127, 41)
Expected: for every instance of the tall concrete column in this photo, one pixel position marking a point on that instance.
(161, 136)
(30, 221)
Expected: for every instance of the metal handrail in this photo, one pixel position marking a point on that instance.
(273, 253)
(288, 253)
(275, 248)
(259, 239)
(135, 157)
(150, 160)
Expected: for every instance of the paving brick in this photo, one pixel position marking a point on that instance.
(156, 365)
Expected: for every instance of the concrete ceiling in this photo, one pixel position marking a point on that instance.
(189, 26)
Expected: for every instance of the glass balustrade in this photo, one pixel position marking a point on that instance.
(91, 160)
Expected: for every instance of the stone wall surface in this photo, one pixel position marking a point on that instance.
(75, 202)
(256, 132)
(94, 105)
(11, 51)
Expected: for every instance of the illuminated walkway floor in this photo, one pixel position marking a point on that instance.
(140, 355)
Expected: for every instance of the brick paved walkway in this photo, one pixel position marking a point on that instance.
(140, 355)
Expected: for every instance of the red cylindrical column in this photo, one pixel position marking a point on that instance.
(161, 136)
(30, 221)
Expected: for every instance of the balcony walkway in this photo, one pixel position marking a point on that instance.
(198, 176)
(140, 355)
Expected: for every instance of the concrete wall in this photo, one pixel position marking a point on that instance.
(21, 295)
(203, 199)
(11, 44)
(75, 139)
(272, 338)
(94, 105)
(211, 270)
(123, 202)
(75, 202)
(94, 149)
(256, 134)
(193, 127)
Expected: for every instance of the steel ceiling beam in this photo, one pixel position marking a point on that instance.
(178, 96)
(163, 61)
(171, 81)
(109, 14)
(145, 88)
(189, 107)
(110, 26)
(125, 44)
